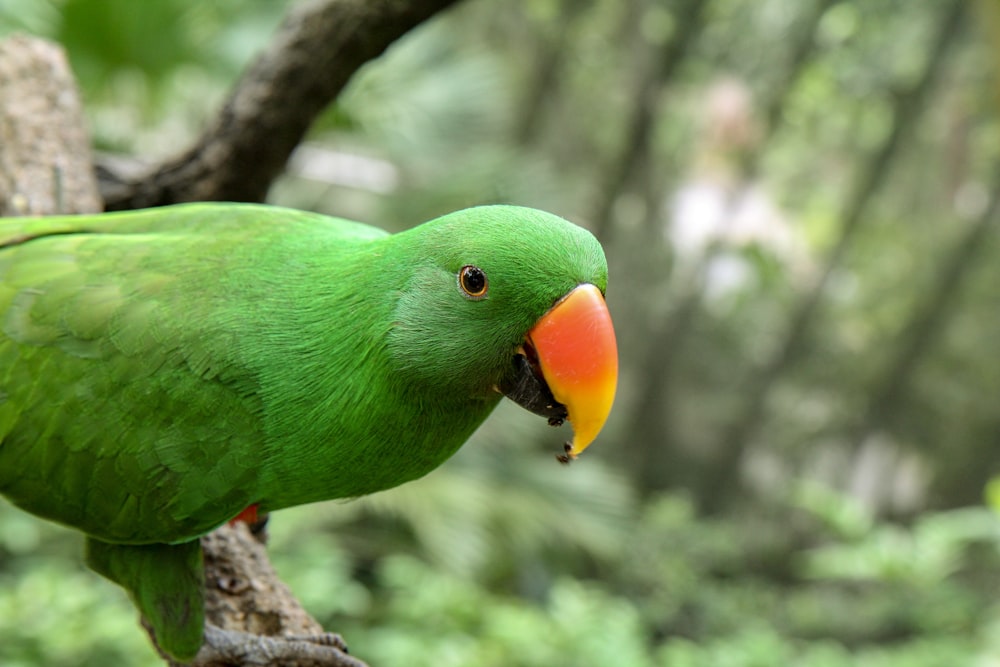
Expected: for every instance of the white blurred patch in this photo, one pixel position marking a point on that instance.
(348, 170)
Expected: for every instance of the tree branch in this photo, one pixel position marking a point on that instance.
(251, 616)
(320, 45)
(45, 161)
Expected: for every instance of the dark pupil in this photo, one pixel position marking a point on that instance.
(474, 280)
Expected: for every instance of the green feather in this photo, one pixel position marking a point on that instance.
(161, 370)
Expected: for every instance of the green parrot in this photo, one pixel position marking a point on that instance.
(164, 370)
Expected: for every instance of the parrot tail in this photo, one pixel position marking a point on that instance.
(167, 584)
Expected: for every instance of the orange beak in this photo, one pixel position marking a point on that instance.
(578, 357)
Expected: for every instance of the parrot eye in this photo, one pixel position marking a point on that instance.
(473, 281)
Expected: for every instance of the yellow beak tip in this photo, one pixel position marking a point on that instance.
(576, 347)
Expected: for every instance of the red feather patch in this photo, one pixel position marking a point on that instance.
(248, 516)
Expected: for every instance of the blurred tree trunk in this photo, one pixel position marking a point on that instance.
(657, 65)
(959, 480)
(724, 482)
(925, 324)
(46, 167)
(664, 464)
(543, 84)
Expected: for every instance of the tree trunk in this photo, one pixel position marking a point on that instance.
(45, 160)
(669, 336)
(906, 110)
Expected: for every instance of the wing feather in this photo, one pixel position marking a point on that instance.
(123, 411)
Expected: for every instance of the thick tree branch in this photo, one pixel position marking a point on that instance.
(45, 161)
(251, 616)
(321, 44)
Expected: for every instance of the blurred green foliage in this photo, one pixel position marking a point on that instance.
(839, 522)
(682, 591)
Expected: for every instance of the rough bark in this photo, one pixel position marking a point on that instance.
(45, 160)
(253, 618)
(320, 45)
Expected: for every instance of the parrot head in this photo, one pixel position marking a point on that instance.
(510, 300)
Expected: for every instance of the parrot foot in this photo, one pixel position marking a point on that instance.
(322, 639)
(229, 647)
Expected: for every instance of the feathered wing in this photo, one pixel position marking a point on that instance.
(124, 409)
